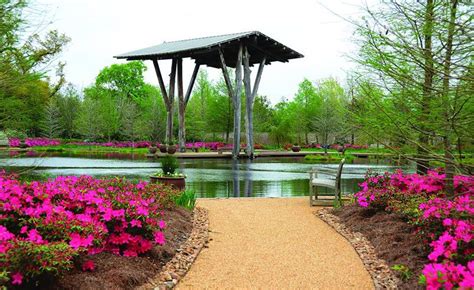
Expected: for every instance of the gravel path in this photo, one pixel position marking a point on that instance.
(273, 243)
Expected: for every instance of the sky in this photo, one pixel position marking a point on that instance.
(101, 29)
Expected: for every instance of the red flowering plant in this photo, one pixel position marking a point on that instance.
(45, 225)
(445, 222)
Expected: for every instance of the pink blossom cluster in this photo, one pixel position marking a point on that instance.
(451, 229)
(337, 146)
(117, 144)
(206, 145)
(447, 222)
(32, 142)
(44, 225)
(431, 184)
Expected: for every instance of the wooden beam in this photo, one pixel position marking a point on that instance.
(160, 81)
(226, 74)
(237, 102)
(172, 81)
(191, 84)
(181, 109)
(249, 103)
(169, 109)
(258, 77)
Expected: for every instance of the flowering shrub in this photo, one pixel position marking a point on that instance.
(336, 146)
(32, 142)
(14, 142)
(44, 225)
(205, 145)
(446, 223)
(117, 144)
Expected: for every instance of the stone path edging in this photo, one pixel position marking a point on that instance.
(179, 265)
(378, 269)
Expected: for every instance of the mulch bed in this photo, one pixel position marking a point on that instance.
(392, 238)
(115, 272)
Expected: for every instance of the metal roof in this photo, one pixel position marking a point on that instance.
(204, 50)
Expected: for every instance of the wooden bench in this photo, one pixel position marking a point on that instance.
(315, 181)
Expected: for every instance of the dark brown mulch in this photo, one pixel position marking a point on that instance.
(393, 238)
(115, 272)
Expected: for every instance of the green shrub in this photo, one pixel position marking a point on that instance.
(405, 272)
(186, 199)
(169, 163)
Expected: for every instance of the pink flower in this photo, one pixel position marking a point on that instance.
(136, 223)
(88, 266)
(162, 224)
(77, 241)
(5, 235)
(130, 253)
(17, 278)
(35, 237)
(159, 238)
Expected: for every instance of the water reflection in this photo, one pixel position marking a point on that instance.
(264, 177)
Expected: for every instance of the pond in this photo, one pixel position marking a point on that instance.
(262, 177)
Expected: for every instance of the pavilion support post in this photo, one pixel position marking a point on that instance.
(183, 102)
(170, 105)
(181, 109)
(234, 93)
(168, 97)
(250, 99)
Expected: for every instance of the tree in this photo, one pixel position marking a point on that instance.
(130, 120)
(51, 124)
(123, 80)
(330, 115)
(263, 112)
(88, 121)
(419, 53)
(24, 59)
(69, 105)
(308, 105)
(154, 114)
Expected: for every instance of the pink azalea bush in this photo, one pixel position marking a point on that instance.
(205, 145)
(445, 222)
(336, 146)
(34, 142)
(44, 226)
(116, 144)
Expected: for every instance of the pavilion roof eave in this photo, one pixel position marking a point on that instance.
(205, 50)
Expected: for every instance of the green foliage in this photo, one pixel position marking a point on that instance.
(123, 80)
(335, 158)
(169, 164)
(405, 272)
(330, 116)
(24, 59)
(186, 199)
(54, 258)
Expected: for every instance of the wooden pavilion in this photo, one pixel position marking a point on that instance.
(239, 50)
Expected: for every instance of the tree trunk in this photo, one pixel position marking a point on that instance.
(237, 104)
(448, 154)
(181, 109)
(422, 152)
(249, 104)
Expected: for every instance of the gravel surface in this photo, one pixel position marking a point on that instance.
(273, 243)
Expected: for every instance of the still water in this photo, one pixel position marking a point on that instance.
(262, 177)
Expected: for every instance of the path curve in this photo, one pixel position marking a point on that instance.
(273, 243)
